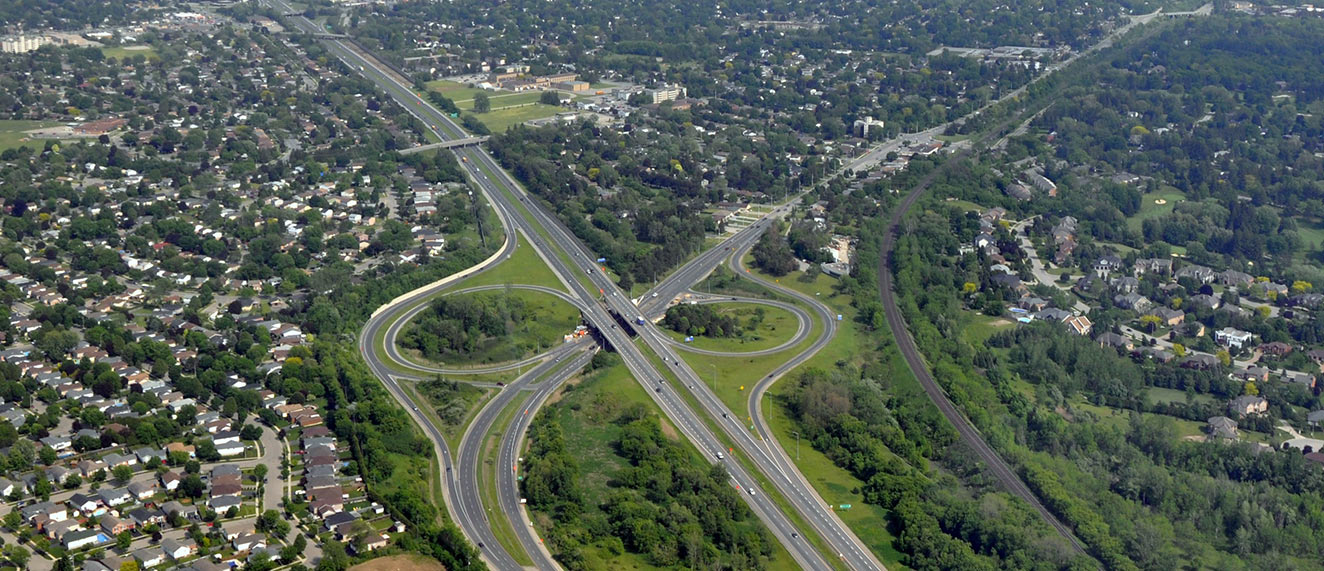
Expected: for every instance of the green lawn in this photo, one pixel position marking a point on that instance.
(1150, 208)
(500, 120)
(12, 133)
(523, 267)
(548, 318)
(980, 327)
(124, 52)
(452, 90)
(1165, 396)
(777, 327)
(503, 99)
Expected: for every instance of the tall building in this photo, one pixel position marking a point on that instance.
(665, 93)
(23, 44)
(862, 126)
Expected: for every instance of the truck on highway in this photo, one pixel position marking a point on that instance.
(465, 159)
(639, 320)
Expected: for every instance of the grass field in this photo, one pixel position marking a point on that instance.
(405, 562)
(503, 99)
(523, 267)
(126, 52)
(12, 133)
(502, 119)
(981, 327)
(452, 90)
(833, 484)
(777, 327)
(1162, 395)
(547, 319)
(1150, 208)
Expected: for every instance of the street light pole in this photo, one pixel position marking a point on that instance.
(797, 444)
(714, 382)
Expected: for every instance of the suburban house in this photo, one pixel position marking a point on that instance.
(1247, 404)
(1222, 427)
(1078, 324)
(1232, 338)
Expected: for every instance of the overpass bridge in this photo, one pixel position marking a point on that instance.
(465, 142)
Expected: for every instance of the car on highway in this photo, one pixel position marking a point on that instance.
(719, 456)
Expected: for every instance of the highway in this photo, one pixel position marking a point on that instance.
(802, 497)
(464, 485)
(673, 405)
(507, 483)
(849, 549)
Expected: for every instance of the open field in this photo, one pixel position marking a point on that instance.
(503, 99)
(499, 120)
(405, 562)
(523, 267)
(12, 133)
(1150, 206)
(125, 52)
(452, 90)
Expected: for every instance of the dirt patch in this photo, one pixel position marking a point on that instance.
(999, 323)
(560, 393)
(668, 430)
(409, 562)
(1195, 438)
(1160, 201)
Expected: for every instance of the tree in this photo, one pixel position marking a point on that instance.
(1150, 322)
(1301, 286)
(1178, 349)
(260, 473)
(773, 255)
(1224, 358)
(124, 540)
(550, 97)
(47, 455)
(482, 104)
(13, 519)
(1250, 389)
(122, 474)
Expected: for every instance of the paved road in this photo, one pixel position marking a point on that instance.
(508, 493)
(672, 404)
(473, 516)
(1037, 266)
(495, 190)
(502, 191)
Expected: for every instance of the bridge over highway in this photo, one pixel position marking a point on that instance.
(451, 144)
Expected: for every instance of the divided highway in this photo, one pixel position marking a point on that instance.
(464, 485)
(502, 191)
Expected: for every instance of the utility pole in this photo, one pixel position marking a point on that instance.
(714, 387)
